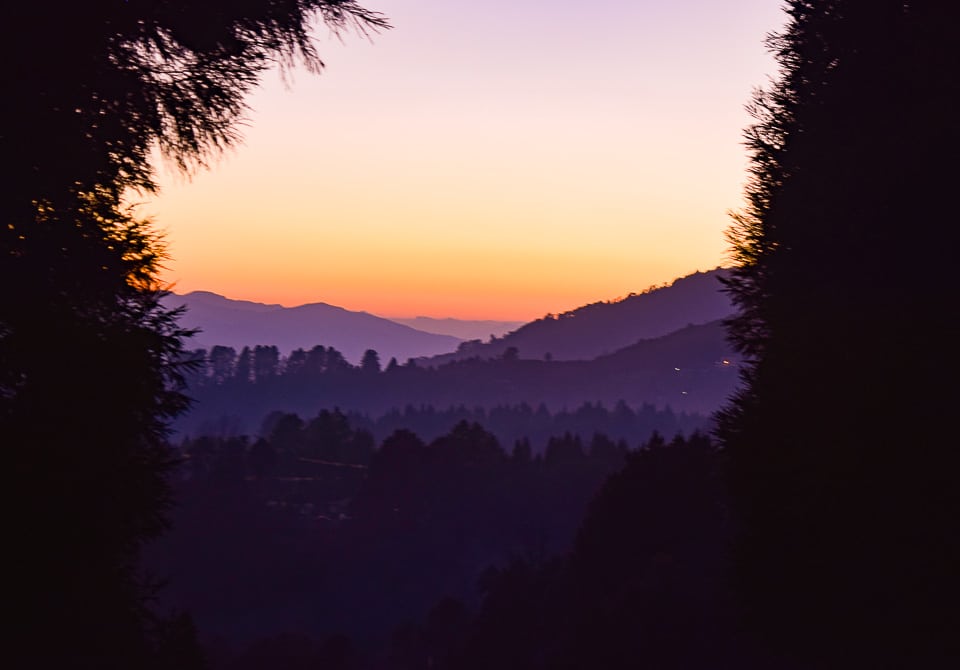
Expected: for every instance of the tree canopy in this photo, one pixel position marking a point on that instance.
(98, 85)
(90, 362)
(844, 282)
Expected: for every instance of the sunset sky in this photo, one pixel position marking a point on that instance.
(500, 159)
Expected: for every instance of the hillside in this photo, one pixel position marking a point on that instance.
(239, 323)
(605, 327)
(691, 370)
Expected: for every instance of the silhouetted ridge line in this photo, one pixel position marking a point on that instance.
(604, 327)
(692, 370)
(239, 323)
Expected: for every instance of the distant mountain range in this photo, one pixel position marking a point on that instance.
(666, 347)
(239, 323)
(605, 327)
(580, 334)
(690, 370)
(462, 328)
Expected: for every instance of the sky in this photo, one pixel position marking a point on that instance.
(482, 160)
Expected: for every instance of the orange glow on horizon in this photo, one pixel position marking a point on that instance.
(523, 303)
(448, 172)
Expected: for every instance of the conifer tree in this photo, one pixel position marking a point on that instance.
(89, 358)
(842, 461)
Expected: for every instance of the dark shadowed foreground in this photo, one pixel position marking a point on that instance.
(89, 359)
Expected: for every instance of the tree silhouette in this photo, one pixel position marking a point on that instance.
(849, 541)
(222, 362)
(107, 82)
(244, 367)
(88, 379)
(90, 362)
(370, 364)
(266, 362)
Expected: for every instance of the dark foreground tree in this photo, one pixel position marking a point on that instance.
(843, 462)
(88, 358)
(88, 382)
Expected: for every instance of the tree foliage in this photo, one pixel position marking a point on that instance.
(844, 282)
(89, 359)
(641, 587)
(102, 83)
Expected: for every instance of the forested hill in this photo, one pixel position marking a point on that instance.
(605, 327)
(237, 323)
(691, 370)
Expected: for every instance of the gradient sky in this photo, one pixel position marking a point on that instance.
(500, 159)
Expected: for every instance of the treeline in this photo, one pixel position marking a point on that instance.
(309, 548)
(690, 371)
(645, 584)
(509, 423)
(313, 531)
(263, 363)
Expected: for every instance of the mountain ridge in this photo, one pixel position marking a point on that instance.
(238, 323)
(691, 370)
(583, 333)
(602, 328)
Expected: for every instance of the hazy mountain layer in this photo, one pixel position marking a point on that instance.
(465, 329)
(604, 327)
(691, 370)
(239, 323)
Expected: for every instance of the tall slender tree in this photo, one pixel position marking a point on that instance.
(842, 459)
(88, 356)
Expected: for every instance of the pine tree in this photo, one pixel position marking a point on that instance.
(89, 359)
(842, 463)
